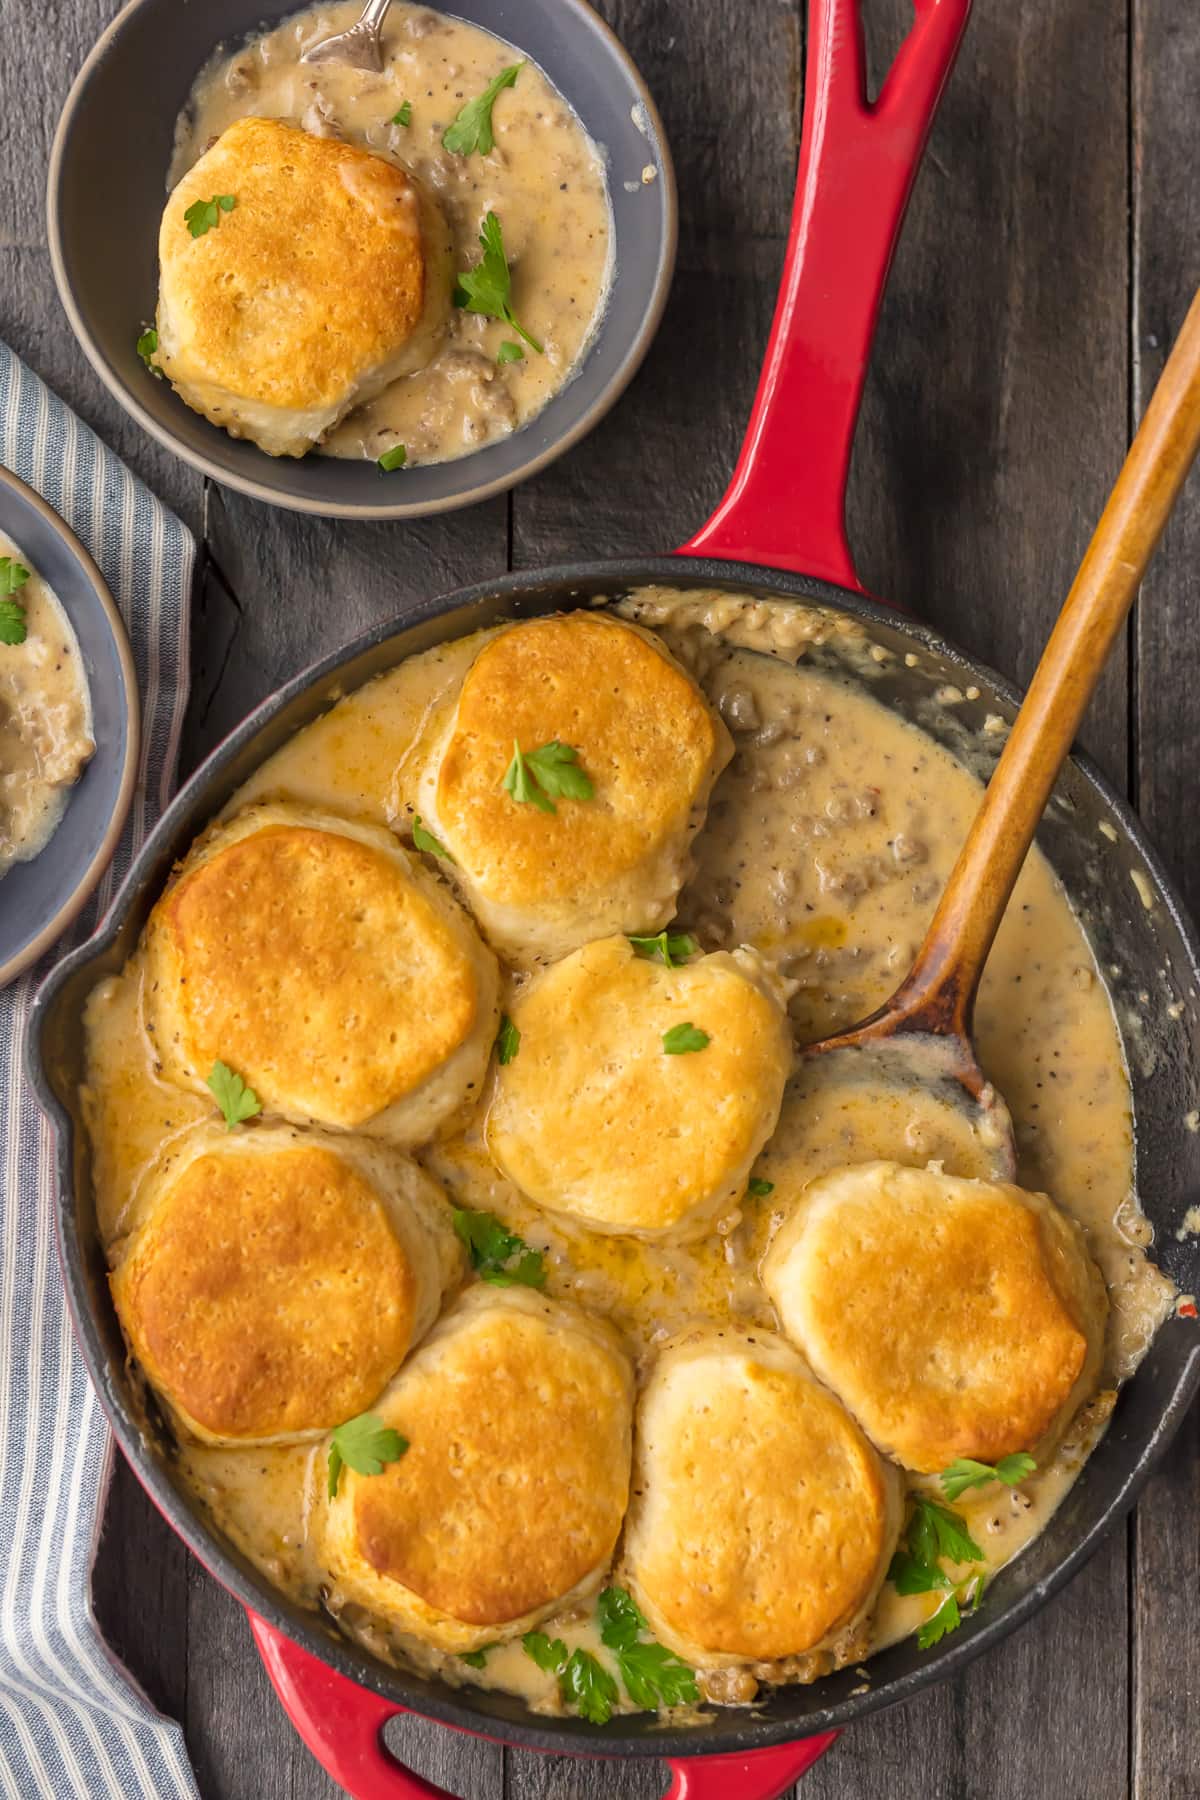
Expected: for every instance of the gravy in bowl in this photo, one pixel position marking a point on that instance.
(827, 841)
(45, 710)
(544, 179)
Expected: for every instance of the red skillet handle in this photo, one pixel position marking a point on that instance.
(785, 506)
(342, 1724)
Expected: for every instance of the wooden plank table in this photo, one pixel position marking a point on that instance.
(1050, 252)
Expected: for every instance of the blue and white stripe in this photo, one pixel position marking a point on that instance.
(72, 1721)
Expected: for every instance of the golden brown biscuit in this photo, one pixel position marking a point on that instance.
(542, 883)
(762, 1521)
(508, 1502)
(327, 279)
(953, 1317)
(594, 1118)
(276, 1279)
(326, 966)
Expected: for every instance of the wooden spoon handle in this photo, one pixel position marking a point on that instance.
(940, 989)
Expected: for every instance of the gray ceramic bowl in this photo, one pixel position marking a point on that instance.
(115, 139)
(39, 899)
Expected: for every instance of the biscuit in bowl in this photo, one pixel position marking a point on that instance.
(640, 1095)
(274, 1280)
(550, 872)
(762, 1521)
(325, 965)
(323, 276)
(508, 1501)
(954, 1317)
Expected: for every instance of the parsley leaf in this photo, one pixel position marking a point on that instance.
(935, 1532)
(404, 117)
(147, 344)
(653, 1675)
(508, 1041)
(237, 1101)
(758, 1188)
(471, 128)
(684, 1038)
(425, 840)
(493, 1246)
(668, 947)
(487, 288)
(13, 575)
(519, 782)
(946, 1618)
(202, 215)
(395, 458)
(475, 1659)
(912, 1577)
(509, 352)
(548, 1653)
(545, 775)
(12, 622)
(967, 1473)
(363, 1444)
(587, 1685)
(620, 1619)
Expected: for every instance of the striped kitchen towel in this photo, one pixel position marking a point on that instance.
(72, 1722)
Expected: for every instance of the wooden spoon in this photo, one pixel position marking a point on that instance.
(924, 1031)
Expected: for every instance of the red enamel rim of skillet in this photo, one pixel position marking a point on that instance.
(783, 511)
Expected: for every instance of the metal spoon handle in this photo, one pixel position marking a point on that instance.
(941, 987)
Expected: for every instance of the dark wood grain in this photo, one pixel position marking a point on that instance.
(1165, 1534)
(1048, 255)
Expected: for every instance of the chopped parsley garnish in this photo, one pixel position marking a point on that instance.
(404, 117)
(487, 288)
(471, 128)
(202, 215)
(237, 1101)
(540, 777)
(758, 1188)
(949, 1615)
(548, 1653)
(508, 1041)
(668, 947)
(493, 1247)
(395, 458)
(475, 1659)
(364, 1444)
(935, 1534)
(13, 575)
(510, 352)
(425, 840)
(946, 1618)
(681, 1039)
(967, 1473)
(653, 1675)
(587, 1685)
(147, 344)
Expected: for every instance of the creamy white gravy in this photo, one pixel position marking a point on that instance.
(828, 840)
(45, 719)
(544, 179)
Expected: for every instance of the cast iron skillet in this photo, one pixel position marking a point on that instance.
(784, 508)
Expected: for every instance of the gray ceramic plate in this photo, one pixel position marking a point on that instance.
(115, 139)
(39, 899)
